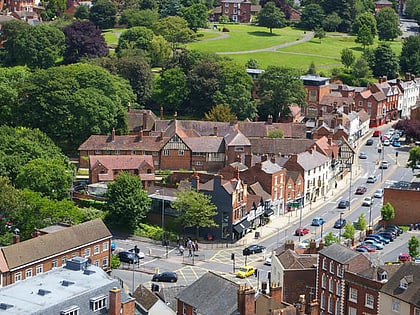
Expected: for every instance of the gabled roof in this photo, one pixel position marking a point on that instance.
(121, 162)
(280, 146)
(258, 190)
(328, 147)
(145, 297)
(235, 138)
(291, 260)
(49, 245)
(310, 160)
(127, 142)
(270, 167)
(140, 119)
(363, 115)
(205, 144)
(211, 294)
(339, 253)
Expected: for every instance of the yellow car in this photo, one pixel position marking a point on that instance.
(245, 271)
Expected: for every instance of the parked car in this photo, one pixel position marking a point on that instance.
(384, 165)
(365, 248)
(167, 276)
(376, 133)
(340, 223)
(416, 260)
(317, 221)
(343, 204)
(392, 230)
(374, 239)
(267, 261)
(371, 179)
(368, 201)
(304, 244)
(395, 227)
(396, 144)
(379, 193)
(404, 257)
(300, 231)
(361, 190)
(380, 238)
(363, 156)
(252, 249)
(373, 243)
(388, 235)
(369, 142)
(387, 142)
(245, 272)
(128, 257)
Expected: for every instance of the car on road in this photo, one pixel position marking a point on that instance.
(343, 204)
(361, 190)
(368, 201)
(252, 249)
(340, 223)
(384, 165)
(363, 156)
(396, 144)
(379, 193)
(128, 257)
(376, 133)
(416, 260)
(304, 244)
(369, 142)
(267, 261)
(167, 276)
(387, 142)
(371, 179)
(317, 221)
(300, 231)
(245, 272)
(373, 243)
(404, 257)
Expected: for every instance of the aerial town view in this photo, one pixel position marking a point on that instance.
(210, 157)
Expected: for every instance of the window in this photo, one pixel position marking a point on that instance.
(54, 263)
(63, 260)
(324, 281)
(337, 307)
(105, 262)
(105, 247)
(313, 95)
(340, 271)
(197, 163)
(338, 288)
(235, 11)
(96, 263)
(227, 11)
(87, 252)
(39, 269)
(73, 310)
(155, 153)
(226, 4)
(117, 152)
(369, 105)
(331, 285)
(416, 311)
(133, 152)
(353, 295)
(18, 276)
(352, 311)
(98, 303)
(166, 152)
(396, 306)
(28, 273)
(184, 309)
(369, 300)
(98, 152)
(322, 304)
(332, 267)
(180, 152)
(360, 103)
(239, 149)
(324, 263)
(96, 250)
(330, 304)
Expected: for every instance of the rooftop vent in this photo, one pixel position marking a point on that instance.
(43, 292)
(66, 283)
(4, 306)
(77, 263)
(88, 272)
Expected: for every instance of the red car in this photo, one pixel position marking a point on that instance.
(361, 190)
(300, 231)
(404, 257)
(368, 248)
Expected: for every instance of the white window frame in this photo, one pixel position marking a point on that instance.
(353, 295)
(330, 304)
(39, 269)
(96, 249)
(352, 311)
(323, 281)
(98, 303)
(28, 273)
(105, 262)
(181, 152)
(338, 288)
(86, 252)
(239, 149)
(96, 263)
(369, 300)
(105, 246)
(166, 152)
(332, 267)
(331, 285)
(18, 276)
(396, 306)
(54, 263)
(324, 263)
(73, 310)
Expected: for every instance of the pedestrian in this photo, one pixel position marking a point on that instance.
(189, 252)
(196, 246)
(181, 250)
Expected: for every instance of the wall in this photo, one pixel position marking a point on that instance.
(405, 203)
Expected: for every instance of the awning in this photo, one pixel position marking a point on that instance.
(240, 227)
(268, 212)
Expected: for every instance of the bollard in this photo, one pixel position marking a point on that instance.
(157, 270)
(149, 250)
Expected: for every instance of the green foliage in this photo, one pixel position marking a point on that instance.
(332, 22)
(364, 36)
(347, 57)
(414, 157)
(410, 7)
(275, 134)
(387, 212)
(138, 38)
(365, 19)
(115, 261)
(196, 16)
(103, 14)
(361, 222)
(195, 209)
(219, 113)
(413, 247)
(312, 69)
(319, 33)
(170, 89)
(133, 17)
(175, 30)
(410, 55)
(386, 62)
(252, 64)
(82, 12)
(330, 239)
(388, 24)
(224, 19)
(349, 231)
(271, 17)
(160, 51)
(361, 68)
(312, 16)
(153, 232)
(127, 202)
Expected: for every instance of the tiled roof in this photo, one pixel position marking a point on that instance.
(280, 146)
(339, 253)
(205, 144)
(145, 297)
(127, 142)
(251, 200)
(379, 96)
(49, 245)
(270, 167)
(310, 160)
(258, 190)
(291, 260)
(363, 115)
(339, 100)
(235, 137)
(135, 119)
(121, 162)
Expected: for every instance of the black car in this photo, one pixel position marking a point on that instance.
(388, 235)
(343, 204)
(128, 257)
(167, 276)
(252, 249)
(340, 223)
(396, 228)
(369, 142)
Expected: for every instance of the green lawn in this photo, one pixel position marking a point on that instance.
(111, 35)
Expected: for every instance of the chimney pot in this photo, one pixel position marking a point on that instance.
(113, 134)
(215, 130)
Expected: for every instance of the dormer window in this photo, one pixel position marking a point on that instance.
(382, 275)
(403, 284)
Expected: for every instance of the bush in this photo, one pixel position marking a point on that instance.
(225, 30)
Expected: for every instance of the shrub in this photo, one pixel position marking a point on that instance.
(225, 30)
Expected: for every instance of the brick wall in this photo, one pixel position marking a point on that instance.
(405, 203)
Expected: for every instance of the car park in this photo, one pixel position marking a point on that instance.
(368, 201)
(361, 190)
(343, 204)
(252, 249)
(317, 221)
(380, 238)
(396, 144)
(388, 235)
(394, 232)
(379, 193)
(167, 276)
(365, 248)
(128, 257)
(300, 231)
(369, 142)
(371, 179)
(363, 156)
(377, 240)
(396, 228)
(340, 223)
(384, 165)
(245, 272)
(373, 243)
(387, 142)
(404, 257)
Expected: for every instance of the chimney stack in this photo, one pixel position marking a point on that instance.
(144, 120)
(113, 135)
(270, 119)
(114, 301)
(276, 292)
(289, 244)
(175, 116)
(215, 130)
(141, 134)
(246, 300)
(264, 158)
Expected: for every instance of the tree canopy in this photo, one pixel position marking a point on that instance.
(175, 30)
(365, 36)
(272, 17)
(347, 57)
(387, 212)
(410, 55)
(103, 13)
(414, 158)
(196, 16)
(388, 24)
(413, 246)
(312, 16)
(386, 62)
(365, 19)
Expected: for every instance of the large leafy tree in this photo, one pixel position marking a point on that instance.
(39, 46)
(196, 16)
(347, 57)
(364, 36)
(346, 10)
(70, 103)
(413, 246)
(388, 24)
(83, 40)
(160, 51)
(133, 17)
(414, 158)
(195, 209)
(312, 16)
(410, 55)
(9, 32)
(50, 177)
(386, 62)
(103, 14)
(137, 38)
(361, 68)
(127, 202)
(280, 87)
(331, 22)
(219, 113)
(175, 30)
(387, 212)
(367, 19)
(170, 8)
(82, 12)
(272, 17)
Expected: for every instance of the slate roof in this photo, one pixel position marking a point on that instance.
(412, 274)
(310, 160)
(145, 297)
(373, 271)
(205, 144)
(330, 150)
(236, 138)
(135, 119)
(339, 100)
(48, 245)
(363, 115)
(270, 167)
(121, 162)
(280, 146)
(258, 190)
(211, 294)
(339, 253)
(291, 260)
(168, 295)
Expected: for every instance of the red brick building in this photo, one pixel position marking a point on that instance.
(236, 10)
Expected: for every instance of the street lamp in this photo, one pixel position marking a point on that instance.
(341, 215)
(300, 221)
(164, 243)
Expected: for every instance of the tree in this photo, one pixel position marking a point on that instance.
(386, 62)
(83, 40)
(9, 32)
(388, 24)
(364, 36)
(133, 17)
(331, 22)
(361, 68)
(127, 202)
(347, 57)
(280, 87)
(312, 16)
(175, 30)
(410, 6)
(319, 33)
(170, 89)
(410, 55)
(413, 246)
(365, 19)
(275, 134)
(52, 178)
(312, 69)
(349, 231)
(414, 157)
(361, 222)
(346, 10)
(170, 8)
(137, 38)
(387, 212)
(160, 51)
(252, 64)
(330, 239)
(53, 8)
(272, 17)
(220, 113)
(103, 14)
(196, 16)
(416, 14)
(195, 209)
(82, 12)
